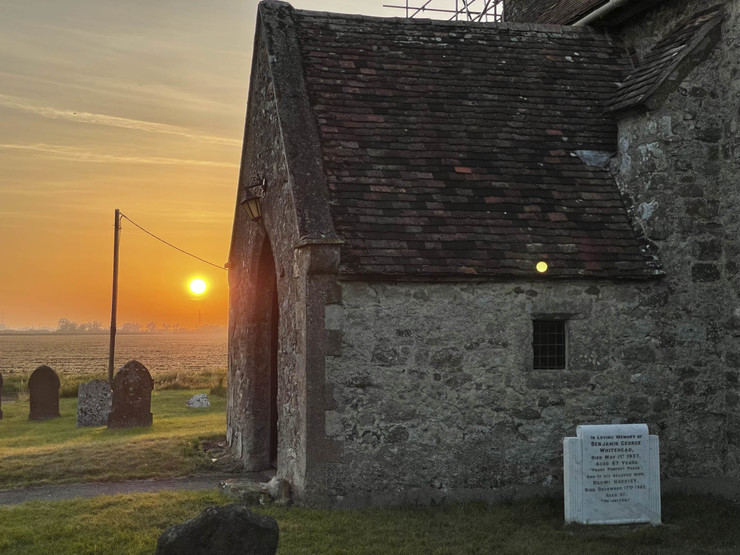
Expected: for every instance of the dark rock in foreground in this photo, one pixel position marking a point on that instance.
(231, 529)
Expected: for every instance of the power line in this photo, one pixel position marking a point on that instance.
(170, 244)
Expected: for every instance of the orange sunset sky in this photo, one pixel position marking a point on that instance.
(137, 105)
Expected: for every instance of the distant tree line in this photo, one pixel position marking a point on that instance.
(66, 326)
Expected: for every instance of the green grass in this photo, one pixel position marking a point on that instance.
(119, 524)
(692, 525)
(131, 524)
(57, 451)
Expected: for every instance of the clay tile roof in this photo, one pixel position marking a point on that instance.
(553, 11)
(462, 150)
(672, 54)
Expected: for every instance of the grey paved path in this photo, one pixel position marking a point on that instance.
(93, 489)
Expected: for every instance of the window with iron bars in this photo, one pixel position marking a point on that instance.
(549, 344)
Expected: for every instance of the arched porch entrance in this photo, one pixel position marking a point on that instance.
(259, 387)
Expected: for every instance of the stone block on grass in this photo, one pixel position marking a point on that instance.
(198, 401)
(228, 530)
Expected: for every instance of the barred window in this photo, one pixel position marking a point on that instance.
(548, 344)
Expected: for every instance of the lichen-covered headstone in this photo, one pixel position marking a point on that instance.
(226, 530)
(132, 396)
(43, 388)
(93, 403)
(1, 396)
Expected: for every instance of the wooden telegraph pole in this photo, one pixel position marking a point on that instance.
(114, 304)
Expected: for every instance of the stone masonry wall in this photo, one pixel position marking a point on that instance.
(435, 395)
(680, 165)
(433, 389)
(430, 388)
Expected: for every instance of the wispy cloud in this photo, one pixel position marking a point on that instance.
(75, 154)
(111, 121)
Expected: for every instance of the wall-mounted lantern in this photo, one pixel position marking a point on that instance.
(251, 199)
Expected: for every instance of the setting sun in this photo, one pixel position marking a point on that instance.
(198, 286)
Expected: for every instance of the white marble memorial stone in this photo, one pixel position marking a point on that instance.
(612, 475)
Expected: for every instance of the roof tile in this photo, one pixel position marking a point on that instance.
(455, 155)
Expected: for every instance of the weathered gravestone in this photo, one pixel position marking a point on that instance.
(231, 529)
(612, 475)
(132, 396)
(43, 389)
(1, 396)
(93, 403)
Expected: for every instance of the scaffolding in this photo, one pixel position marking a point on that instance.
(466, 10)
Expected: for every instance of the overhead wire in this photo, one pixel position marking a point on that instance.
(170, 244)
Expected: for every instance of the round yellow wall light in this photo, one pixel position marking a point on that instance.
(541, 266)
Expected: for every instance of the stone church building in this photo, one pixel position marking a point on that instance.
(470, 238)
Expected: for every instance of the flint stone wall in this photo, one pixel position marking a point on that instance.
(435, 393)
(679, 165)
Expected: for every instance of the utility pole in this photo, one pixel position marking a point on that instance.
(114, 303)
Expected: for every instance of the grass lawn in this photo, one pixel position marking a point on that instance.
(126, 524)
(57, 451)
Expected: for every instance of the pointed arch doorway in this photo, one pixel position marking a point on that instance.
(265, 370)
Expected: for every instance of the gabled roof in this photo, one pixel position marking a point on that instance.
(669, 60)
(462, 150)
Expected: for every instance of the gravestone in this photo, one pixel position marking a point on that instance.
(93, 403)
(132, 396)
(612, 475)
(1, 396)
(43, 388)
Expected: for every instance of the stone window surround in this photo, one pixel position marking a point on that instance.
(578, 309)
